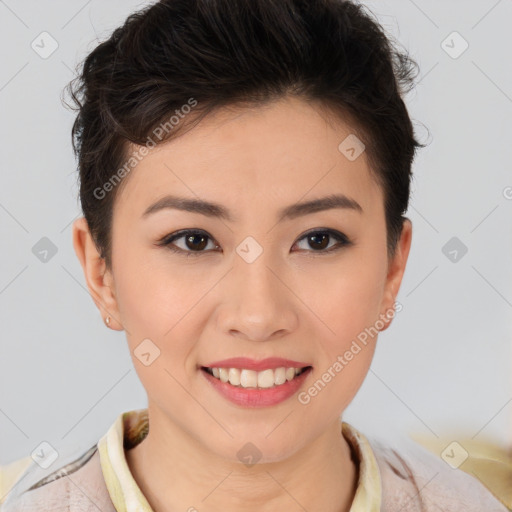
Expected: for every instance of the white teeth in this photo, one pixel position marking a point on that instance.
(248, 379)
(266, 378)
(234, 376)
(290, 373)
(252, 379)
(280, 376)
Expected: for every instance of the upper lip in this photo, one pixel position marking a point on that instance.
(257, 365)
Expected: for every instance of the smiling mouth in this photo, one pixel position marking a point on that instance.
(244, 378)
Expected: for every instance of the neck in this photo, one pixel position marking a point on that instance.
(175, 472)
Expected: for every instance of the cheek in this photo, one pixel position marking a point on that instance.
(152, 297)
(349, 309)
(349, 304)
(153, 304)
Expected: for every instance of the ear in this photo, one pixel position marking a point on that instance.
(99, 280)
(396, 269)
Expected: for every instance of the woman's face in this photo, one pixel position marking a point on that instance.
(251, 283)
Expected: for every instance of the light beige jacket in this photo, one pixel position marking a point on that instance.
(392, 478)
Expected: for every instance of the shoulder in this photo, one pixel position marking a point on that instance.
(77, 486)
(413, 479)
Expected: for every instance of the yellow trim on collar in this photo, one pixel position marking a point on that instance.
(127, 496)
(368, 495)
(122, 487)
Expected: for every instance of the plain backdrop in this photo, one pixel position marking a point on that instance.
(445, 363)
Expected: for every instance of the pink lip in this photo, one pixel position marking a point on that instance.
(257, 397)
(253, 364)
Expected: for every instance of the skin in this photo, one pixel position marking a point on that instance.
(293, 301)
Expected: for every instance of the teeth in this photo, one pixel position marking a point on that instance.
(279, 376)
(234, 376)
(252, 379)
(248, 379)
(223, 374)
(266, 378)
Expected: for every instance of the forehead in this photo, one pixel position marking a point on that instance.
(282, 152)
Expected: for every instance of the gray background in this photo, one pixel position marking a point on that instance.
(445, 363)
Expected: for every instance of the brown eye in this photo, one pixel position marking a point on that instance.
(190, 242)
(319, 240)
(196, 242)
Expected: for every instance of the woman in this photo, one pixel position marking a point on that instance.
(244, 171)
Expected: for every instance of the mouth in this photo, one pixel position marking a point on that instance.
(252, 379)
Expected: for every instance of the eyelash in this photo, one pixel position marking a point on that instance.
(343, 241)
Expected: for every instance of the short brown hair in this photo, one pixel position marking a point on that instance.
(248, 52)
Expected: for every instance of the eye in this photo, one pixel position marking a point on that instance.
(320, 238)
(194, 241)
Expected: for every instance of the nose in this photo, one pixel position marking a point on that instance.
(259, 304)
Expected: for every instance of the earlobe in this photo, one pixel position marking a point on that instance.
(98, 278)
(396, 271)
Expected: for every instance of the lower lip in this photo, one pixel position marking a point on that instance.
(252, 397)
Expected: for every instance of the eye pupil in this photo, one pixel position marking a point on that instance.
(323, 238)
(192, 239)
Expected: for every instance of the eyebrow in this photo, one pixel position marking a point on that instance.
(216, 210)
